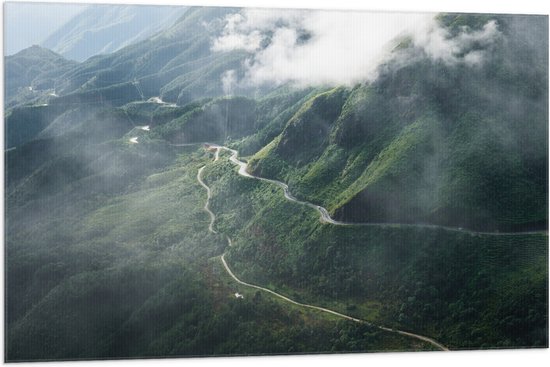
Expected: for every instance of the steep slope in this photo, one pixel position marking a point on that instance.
(23, 124)
(103, 29)
(459, 287)
(431, 142)
(176, 64)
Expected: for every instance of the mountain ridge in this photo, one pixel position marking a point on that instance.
(104, 202)
(101, 29)
(394, 153)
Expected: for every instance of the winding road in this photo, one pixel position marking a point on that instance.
(324, 218)
(207, 204)
(322, 309)
(324, 214)
(322, 211)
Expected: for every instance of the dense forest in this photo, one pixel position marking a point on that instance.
(434, 175)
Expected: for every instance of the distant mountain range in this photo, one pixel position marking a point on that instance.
(28, 23)
(102, 29)
(176, 64)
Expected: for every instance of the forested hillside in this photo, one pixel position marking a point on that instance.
(429, 142)
(123, 198)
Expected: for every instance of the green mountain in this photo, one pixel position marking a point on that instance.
(428, 143)
(464, 289)
(32, 71)
(176, 64)
(438, 168)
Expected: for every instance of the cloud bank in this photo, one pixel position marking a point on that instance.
(310, 47)
(470, 47)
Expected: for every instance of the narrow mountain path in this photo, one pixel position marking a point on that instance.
(207, 204)
(322, 309)
(305, 305)
(325, 216)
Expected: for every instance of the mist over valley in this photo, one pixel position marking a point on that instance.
(236, 181)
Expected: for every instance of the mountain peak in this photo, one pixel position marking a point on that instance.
(37, 51)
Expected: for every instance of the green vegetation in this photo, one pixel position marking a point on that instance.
(108, 252)
(451, 285)
(34, 67)
(176, 64)
(218, 120)
(428, 142)
(128, 275)
(25, 123)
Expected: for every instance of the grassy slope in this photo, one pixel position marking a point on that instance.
(456, 287)
(150, 247)
(463, 175)
(218, 120)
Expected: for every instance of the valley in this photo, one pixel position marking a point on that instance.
(159, 204)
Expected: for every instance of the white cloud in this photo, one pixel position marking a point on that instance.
(247, 30)
(308, 47)
(469, 47)
(228, 81)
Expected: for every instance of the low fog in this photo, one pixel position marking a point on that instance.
(309, 48)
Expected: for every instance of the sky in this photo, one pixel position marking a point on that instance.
(27, 24)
